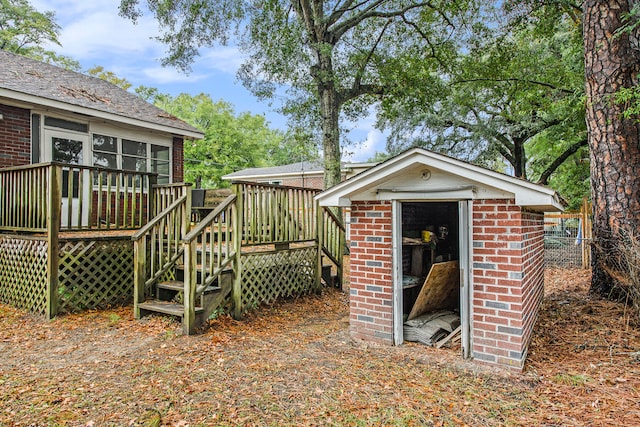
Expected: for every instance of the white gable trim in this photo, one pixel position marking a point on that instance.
(526, 194)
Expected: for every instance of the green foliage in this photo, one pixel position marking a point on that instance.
(334, 59)
(513, 96)
(99, 72)
(232, 141)
(24, 30)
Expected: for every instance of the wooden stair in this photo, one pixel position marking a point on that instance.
(167, 292)
(327, 275)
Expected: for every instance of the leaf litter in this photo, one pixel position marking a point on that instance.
(294, 364)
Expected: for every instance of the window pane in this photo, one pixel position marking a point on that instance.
(160, 167)
(105, 143)
(163, 179)
(134, 164)
(105, 160)
(134, 148)
(159, 152)
(65, 124)
(67, 150)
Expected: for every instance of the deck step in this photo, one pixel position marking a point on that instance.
(178, 286)
(164, 307)
(172, 285)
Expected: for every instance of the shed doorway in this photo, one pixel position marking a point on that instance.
(429, 256)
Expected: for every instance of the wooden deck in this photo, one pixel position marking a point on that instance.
(118, 237)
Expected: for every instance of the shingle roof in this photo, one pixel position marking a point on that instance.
(278, 170)
(31, 77)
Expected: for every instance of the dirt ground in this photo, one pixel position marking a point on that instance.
(294, 364)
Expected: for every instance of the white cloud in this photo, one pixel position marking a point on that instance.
(165, 75)
(100, 34)
(367, 139)
(227, 59)
(375, 142)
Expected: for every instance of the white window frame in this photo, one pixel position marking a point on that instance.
(101, 128)
(134, 136)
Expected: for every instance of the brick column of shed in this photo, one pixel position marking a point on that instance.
(371, 281)
(15, 136)
(508, 281)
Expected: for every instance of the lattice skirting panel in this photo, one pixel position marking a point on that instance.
(95, 274)
(269, 276)
(23, 273)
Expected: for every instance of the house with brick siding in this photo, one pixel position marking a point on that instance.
(49, 114)
(420, 209)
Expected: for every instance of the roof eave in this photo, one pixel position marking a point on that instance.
(35, 101)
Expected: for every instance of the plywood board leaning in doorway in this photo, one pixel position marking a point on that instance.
(439, 288)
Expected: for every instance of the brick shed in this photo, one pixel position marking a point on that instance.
(421, 212)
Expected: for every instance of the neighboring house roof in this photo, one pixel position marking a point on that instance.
(293, 169)
(418, 174)
(276, 171)
(37, 83)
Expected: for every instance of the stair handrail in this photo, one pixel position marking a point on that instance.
(164, 234)
(331, 238)
(218, 251)
(333, 242)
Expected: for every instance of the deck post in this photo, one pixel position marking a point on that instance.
(139, 273)
(320, 240)
(54, 207)
(238, 229)
(189, 319)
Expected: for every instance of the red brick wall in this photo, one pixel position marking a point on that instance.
(178, 160)
(15, 136)
(308, 182)
(508, 280)
(371, 284)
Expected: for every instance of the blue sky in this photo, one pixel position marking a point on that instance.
(94, 34)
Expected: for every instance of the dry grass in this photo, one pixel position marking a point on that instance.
(294, 364)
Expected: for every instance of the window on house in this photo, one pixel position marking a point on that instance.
(105, 151)
(130, 155)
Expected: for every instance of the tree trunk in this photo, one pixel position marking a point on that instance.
(610, 64)
(519, 155)
(330, 110)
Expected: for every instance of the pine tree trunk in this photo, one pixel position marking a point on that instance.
(611, 63)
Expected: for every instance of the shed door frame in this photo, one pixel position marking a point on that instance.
(465, 250)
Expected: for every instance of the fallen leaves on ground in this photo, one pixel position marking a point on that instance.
(295, 364)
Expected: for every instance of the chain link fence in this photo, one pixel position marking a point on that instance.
(567, 239)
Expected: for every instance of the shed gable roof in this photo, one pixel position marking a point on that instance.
(419, 174)
(39, 83)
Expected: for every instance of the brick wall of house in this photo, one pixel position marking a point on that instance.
(306, 182)
(371, 281)
(508, 280)
(178, 159)
(15, 136)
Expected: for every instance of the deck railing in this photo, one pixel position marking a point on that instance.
(209, 249)
(332, 238)
(165, 194)
(157, 247)
(88, 198)
(24, 201)
(274, 214)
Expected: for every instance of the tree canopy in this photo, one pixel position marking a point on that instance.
(24, 30)
(232, 141)
(335, 58)
(514, 97)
